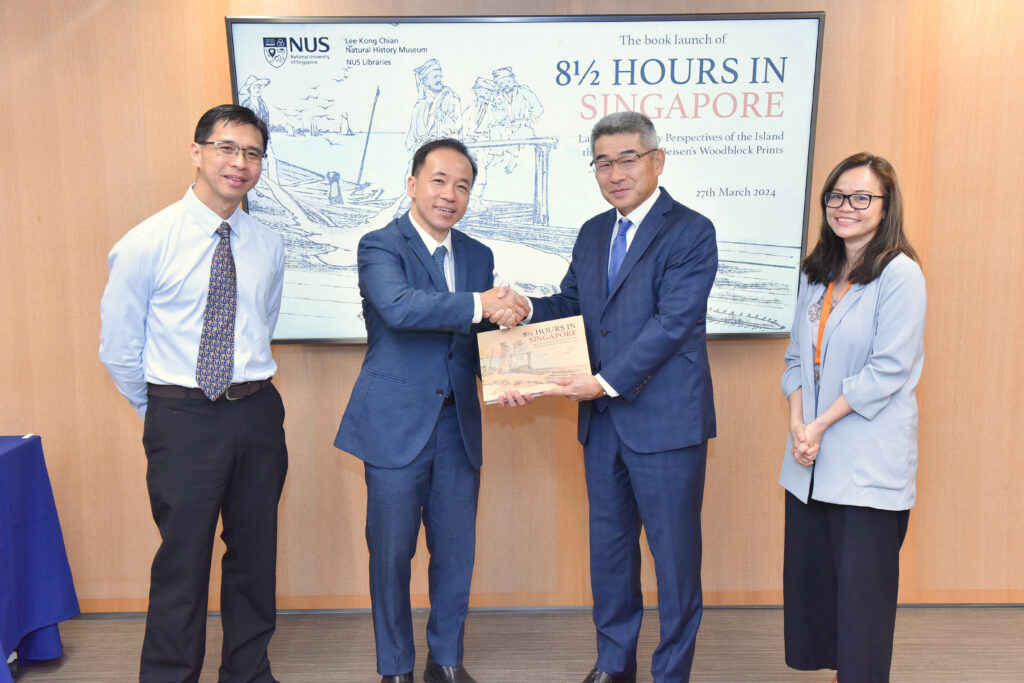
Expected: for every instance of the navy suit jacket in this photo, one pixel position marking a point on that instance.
(647, 338)
(419, 335)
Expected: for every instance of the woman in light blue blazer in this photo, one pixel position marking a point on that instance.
(852, 368)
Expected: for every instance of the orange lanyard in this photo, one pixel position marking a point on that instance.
(826, 311)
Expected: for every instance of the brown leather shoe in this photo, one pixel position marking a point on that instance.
(435, 673)
(598, 676)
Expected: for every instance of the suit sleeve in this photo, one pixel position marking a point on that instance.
(898, 339)
(484, 323)
(384, 283)
(682, 306)
(792, 379)
(564, 304)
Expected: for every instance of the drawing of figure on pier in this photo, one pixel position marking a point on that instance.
(477, 126)
(436, 114)
(516, 110)
(438, 109)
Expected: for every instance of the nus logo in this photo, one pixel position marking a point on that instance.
(277, 49)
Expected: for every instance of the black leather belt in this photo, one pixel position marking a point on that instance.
(233, 393)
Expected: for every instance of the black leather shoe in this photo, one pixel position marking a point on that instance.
(435, 673)
(598, 676)
(404, 678)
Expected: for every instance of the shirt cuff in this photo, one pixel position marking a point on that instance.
(607, 387)
(478, 308)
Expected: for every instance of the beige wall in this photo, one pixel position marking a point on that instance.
(99, 100)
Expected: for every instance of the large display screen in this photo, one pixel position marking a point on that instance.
(348, 100)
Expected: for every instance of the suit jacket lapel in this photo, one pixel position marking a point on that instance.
(460, 261)
(601, 243)
(841, 309)
(651, 226)
(603, 246)
(420, 250)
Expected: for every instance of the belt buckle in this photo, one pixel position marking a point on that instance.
(227, 392)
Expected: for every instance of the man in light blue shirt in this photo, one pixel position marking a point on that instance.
(187, 317)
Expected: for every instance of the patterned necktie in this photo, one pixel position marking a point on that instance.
(439, 255)
(217, 345)
(618, 251)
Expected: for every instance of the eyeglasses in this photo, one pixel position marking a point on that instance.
(834, 200)
(626, 163)
(230, 150)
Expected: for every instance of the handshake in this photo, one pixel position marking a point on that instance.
(504, 306)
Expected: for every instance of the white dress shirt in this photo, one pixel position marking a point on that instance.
(152, 310)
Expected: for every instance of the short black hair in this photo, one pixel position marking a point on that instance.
(420, 157)
(232, 113)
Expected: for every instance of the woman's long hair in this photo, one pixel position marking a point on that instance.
(826, 261)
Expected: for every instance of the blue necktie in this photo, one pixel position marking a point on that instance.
(439, 255)
(217, 344)
(618, 251)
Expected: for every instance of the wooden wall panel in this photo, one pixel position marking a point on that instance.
(100, 101)
(969, 485)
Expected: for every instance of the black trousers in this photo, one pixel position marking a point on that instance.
(840, 578)
(208, 460)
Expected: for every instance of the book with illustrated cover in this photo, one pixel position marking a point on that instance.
(530, 357)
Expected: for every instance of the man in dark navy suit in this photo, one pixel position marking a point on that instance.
(640, 276)
(414, 415)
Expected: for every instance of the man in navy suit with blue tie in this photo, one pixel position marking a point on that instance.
(414, 415)
(640, 276)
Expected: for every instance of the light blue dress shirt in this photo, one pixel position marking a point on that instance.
(152, 310)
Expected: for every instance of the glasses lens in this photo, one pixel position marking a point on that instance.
(860, 201)
(226, 150)
(832, 200)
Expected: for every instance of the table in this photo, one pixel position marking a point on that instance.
(36, 591)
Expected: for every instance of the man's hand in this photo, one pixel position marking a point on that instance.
(582, 387)
(512, 397)
(503, 306)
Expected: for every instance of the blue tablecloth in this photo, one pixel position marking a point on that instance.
(36, 591)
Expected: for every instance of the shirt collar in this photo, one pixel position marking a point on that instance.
(206, 218)
(637, 215)
(428, 240)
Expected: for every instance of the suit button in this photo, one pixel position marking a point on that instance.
(450, 355)
(604, 332)
(440, 392)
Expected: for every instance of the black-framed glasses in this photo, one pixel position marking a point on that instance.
(230, 150)
(626, 162)
(858, 200)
